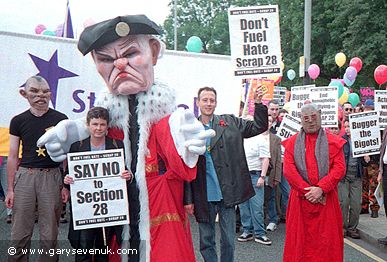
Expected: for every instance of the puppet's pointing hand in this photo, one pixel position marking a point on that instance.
(189, 135)
(58, 139)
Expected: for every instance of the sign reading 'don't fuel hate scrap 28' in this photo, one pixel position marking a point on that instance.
(98, 194)
(255, 41)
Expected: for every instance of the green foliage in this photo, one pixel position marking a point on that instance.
(354, 27)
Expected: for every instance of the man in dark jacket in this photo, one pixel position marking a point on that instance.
(223, 178)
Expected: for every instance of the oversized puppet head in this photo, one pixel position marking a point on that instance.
(124, 51)
(310, 118)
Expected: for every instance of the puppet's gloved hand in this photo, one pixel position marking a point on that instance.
(188, 135)
(58, 139)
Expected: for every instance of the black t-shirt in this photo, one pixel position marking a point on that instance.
(29, 129)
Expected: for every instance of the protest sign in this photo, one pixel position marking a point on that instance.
(366, 93)
(326, 99)
(98, 194)
(255, 41)
(280, 95)
(267, 87)
(381, 107)
(298, 96)
(365, 134)
(289, 126)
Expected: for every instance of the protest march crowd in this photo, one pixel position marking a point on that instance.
(137, 167)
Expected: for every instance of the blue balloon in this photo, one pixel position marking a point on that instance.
(339, 86)
(194, 44)
(347, 81)
(291, 74)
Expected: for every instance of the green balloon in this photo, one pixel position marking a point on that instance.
(339, 86)
(48, 33)
(194, 44)
(354, 99)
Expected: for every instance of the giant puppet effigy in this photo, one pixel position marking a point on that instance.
(162, 143)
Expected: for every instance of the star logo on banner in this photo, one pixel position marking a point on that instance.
(52, 72)
(40, 151)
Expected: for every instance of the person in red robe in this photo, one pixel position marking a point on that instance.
(313, 165)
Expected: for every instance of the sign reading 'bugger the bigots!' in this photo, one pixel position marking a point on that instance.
(255, 41)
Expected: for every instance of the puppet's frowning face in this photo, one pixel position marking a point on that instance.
(126, 65)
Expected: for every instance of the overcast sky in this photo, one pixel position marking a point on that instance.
(23, 16)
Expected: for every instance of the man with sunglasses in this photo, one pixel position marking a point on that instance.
(313, 165)
(347, 110)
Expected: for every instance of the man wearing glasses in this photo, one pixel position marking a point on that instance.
(347, 110)
(313, 165)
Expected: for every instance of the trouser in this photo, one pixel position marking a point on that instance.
(4, 180)
(252, 209)
(227, 233)
(270, 201)
(350, 200)
(42, 187)
(369, 184)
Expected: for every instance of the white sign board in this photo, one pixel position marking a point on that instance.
(381, 107)
(298, 96)
(365, 134)
(98, 194)
(288, 127)
(326, 100)
(255, 41)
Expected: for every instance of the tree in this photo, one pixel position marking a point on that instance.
(354, 27)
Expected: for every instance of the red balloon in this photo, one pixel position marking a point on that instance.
(380, 74)
(278, 80)
(356, 63)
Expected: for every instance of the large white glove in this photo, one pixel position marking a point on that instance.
(58, 139)
(188, 135)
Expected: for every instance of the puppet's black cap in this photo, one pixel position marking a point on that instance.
(105, 32)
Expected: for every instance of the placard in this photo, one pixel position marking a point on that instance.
(365, 134)
(255, 41)
(98, 194)
(381, 107)
(325, 97)
(289, 126)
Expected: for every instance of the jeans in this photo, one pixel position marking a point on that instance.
(252, 209)
(227, 233)
(285, 189)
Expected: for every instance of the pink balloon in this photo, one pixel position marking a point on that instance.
(314, 71)
(39, 29)
(356, 63)
(88, 22)
(380, 74)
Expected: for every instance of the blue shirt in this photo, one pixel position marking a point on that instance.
(213, 188)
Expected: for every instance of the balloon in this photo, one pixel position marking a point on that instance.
(356, 63)
(340, 59)
(339, 86)
(354, 99)
(39, 29)
(314, 71)
(291, 74)
(48, 33)
(287, 106)
(194, 44)
(380, 74)
(344, 97)
(59, 30)
(282, 66)
(347, 81)
(351, 73)
(276, 79)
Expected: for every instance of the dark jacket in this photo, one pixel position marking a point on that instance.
(360, 160)
(275, 172)
(229, 159)
(82, 238)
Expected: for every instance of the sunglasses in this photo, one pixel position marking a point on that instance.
(348, 109)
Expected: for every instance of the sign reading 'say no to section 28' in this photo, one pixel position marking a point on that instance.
(255, 41)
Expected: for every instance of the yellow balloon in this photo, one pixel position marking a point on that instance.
(340, 59)
(344, 97)
(282, 66)
(287, 106)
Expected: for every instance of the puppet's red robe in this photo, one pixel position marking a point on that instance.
(314, 232)
(166, 172)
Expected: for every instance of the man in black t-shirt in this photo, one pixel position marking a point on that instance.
(37, 180)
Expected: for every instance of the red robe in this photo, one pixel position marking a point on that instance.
(314, 232)
(171, 238)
